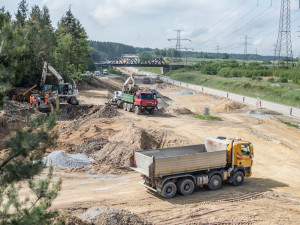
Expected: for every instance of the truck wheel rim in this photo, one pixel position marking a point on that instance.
(239, 179)
(187, 187)
(215, 182)
(169, 190)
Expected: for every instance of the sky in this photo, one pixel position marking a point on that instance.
(211, 26)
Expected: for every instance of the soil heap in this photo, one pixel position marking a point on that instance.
(120, 147)
(226, 105)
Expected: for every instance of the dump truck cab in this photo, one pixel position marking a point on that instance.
(243, 155)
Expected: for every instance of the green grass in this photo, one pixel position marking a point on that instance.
(285, 94)
(207, 117)
(156, 70)
(290, 124)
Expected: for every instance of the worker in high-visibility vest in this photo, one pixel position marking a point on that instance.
(31, 100)
(34, 101)
(46, 98)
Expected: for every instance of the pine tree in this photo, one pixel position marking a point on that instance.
(21, 14)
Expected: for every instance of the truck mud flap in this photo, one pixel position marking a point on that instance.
(150, 188)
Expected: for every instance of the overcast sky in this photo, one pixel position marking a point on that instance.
(149, 23)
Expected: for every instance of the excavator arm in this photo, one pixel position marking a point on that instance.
(47, 67)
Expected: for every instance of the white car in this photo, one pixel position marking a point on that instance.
(97, 73)
(105, 72)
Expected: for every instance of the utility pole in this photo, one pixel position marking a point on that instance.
(284, 40)
(218, 50)
(246, 47)
(178, 40)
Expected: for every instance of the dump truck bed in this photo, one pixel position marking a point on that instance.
(168, 161)
(127, 97)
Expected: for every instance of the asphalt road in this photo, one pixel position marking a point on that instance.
(284, 109)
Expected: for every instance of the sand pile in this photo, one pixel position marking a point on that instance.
(120, 147)
(226, 105)
(105, 215)
(182, 111)
(61, 159)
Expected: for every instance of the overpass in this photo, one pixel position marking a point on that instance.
(137, 62)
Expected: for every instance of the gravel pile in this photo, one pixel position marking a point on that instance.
(105, 215)
(185, 92)
(61, 159)
(257, 114)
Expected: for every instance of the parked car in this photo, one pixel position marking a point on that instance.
(97, 73)
(105, 72)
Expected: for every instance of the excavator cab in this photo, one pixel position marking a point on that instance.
(65, 89)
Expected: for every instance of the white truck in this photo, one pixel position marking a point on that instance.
(169, 170)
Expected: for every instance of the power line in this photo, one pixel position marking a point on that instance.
(178, 40)
(284, 42)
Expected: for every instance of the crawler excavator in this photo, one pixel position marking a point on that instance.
(65, 92)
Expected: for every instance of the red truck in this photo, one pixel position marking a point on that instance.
(139, 102)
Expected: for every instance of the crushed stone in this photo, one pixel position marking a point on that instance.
(103, 215)
(185, 92)
(258, 114)
(61, 159)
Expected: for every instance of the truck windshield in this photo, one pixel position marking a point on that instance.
(148, 96)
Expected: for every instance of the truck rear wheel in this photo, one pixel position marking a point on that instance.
(186, 186)
(215, 182)
(125, 106)
(137, 110)
(73, 101)
(169, 190)
(238, 178)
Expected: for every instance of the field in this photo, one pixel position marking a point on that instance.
(286, 93)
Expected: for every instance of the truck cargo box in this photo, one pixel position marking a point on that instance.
(168, 161)
(127, 97)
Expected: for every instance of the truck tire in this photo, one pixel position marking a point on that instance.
(73, 101)
(169, 190)
(119, 104)
(238, 178)
(137, 110)
(125, 106)
(151, 111)
(186, 186)
(129, 109)
(215, 182)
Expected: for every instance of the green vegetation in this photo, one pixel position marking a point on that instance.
(245, 79)
(156, 70)
(31, 39)
(290, 124)
(207, 117)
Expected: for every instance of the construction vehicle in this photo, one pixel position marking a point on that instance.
(133, 99)
(180, 169)
(116, 100)
(22, 94)
(65, 91)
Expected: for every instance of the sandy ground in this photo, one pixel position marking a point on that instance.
(270, 196)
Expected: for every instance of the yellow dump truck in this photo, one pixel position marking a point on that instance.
(179, 169)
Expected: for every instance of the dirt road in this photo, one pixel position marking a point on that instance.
(270, 196)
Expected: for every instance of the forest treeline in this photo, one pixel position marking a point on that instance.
(28, 39)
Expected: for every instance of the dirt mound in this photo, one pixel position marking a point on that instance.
(120, 147)
(71, 112)
(91, 146)
(15, 115)
(226, 105)
(182, 111)
(16, 109)
(105, 215)
(106, 111)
